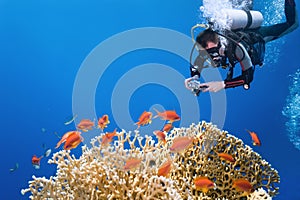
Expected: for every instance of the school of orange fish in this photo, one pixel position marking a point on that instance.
(72, 139)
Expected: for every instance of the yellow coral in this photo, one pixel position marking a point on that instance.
(98, 173)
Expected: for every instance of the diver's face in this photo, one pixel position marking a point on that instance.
(215, 55)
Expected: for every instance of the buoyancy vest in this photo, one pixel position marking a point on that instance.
(253, 43)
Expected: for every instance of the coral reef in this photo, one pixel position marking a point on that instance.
(99, 172)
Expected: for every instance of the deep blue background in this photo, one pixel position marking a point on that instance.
(43, 43)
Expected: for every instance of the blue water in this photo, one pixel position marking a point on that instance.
(52, 53)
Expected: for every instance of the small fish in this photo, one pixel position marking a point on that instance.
(203, 183)
(57, 134)
(132, 163)
(72, 139)
(243, 185)
(144, 119)
(35, 161)
(167, 127)
(47, 152)
(161, 136)
(165, 169)
(168, 115)
(15, 168)
(226, 156)
(107, 138)
(71, 120)
(64, 138)
(43, 130)
(181, 143)
(255, 139)
(103, 122)
(85, 125)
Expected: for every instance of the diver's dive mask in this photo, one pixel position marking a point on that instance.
(215, 55)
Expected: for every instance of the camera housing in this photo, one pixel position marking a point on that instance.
(196, 88)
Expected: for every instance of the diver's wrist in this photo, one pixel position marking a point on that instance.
(196, 77)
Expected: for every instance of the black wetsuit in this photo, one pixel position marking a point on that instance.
(268, 33)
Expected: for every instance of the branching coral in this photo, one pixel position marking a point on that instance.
(99, 172)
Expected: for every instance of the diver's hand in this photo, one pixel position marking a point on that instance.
(214, 86)
(188, 80)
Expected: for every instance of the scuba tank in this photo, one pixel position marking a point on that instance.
(243, 19)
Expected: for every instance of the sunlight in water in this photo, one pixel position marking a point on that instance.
(292, 110)
(213, 10)
(273, 14)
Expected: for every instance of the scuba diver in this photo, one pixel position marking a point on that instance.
(243, 44)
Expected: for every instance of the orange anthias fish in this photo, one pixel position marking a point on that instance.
(132, 163)
(165, 169)
(64, 138)
(144, 119)
(85, 125)
(255, 138)
(35, 161)
(168, 115)
(72, 139)
(226, 156)
(161, 136)
(181, 143)
(243, 185)
(203, 183)
(107, 138)
(103, 122)
(168, 127)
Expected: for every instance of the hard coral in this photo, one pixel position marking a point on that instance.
(99, 172)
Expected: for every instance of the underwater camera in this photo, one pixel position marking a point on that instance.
(196, 88)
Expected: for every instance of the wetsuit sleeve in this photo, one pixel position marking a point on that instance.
(197, 67)
(247, 69)
(245, 78)
(273, 32)
(194, 71)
